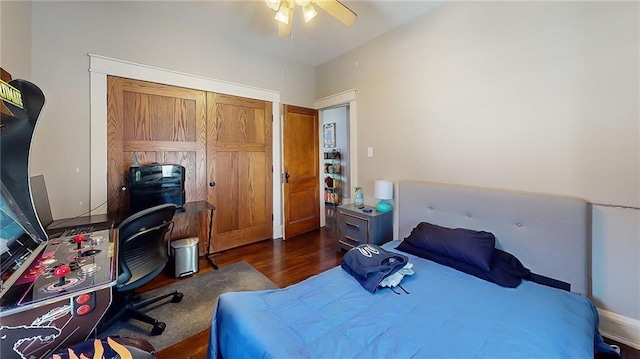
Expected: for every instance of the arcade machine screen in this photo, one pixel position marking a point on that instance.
(18, 240)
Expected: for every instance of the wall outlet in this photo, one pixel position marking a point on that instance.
(369, 151)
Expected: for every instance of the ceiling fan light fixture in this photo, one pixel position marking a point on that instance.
(284, 10)
(273, 4)
(309, 12)
(283, 15)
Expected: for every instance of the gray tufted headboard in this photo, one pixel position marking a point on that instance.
(549, 234)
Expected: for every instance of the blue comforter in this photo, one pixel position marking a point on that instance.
(448, 314)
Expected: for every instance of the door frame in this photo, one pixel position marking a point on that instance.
(345, 98)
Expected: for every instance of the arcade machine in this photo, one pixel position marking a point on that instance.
(53, 292)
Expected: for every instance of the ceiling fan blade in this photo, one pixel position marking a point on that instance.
(337, 10)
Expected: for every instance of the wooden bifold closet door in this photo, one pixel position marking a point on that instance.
(239, 156)
(168, 124)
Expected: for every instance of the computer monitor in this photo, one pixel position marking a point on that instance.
(41, 200)
(155, 184)
(56, 227)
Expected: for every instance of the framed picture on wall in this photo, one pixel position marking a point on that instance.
(330, 135)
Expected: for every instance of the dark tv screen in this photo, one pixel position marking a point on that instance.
(155, 184)
(17, 237)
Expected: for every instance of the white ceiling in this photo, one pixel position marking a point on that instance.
(250, 23)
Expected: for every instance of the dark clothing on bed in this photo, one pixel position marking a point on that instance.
(369, 264)
(506, 270)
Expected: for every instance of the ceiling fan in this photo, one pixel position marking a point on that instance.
(284, 12)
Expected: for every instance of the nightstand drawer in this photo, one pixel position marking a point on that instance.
(354, 228)
(348, 242)
(358, 227)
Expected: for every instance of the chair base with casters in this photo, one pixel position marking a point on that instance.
(130, 309)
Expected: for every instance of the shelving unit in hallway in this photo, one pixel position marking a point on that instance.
(333, 177)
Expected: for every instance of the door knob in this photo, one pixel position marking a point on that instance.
(286, 177)
(212, 184)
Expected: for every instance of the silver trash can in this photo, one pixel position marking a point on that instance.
(185, 255)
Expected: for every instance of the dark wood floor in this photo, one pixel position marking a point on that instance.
(285, 263)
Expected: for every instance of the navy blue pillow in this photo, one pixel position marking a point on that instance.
(506, 270)
(473, 247)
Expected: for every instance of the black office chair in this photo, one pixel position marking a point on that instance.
(142, 255)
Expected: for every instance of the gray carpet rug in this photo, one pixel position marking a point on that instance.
(193, 314)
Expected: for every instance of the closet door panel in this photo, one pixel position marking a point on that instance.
(239, 156)
(159, 124)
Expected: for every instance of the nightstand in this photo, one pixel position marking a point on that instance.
(356, 227)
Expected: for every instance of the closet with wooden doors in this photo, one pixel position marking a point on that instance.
(224, 142)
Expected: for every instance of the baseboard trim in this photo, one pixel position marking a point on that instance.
(622, 329)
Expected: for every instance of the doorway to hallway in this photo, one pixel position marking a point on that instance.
(335, 159)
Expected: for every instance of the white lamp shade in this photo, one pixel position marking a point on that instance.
(383, 189)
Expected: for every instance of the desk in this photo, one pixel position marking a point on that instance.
(197, 207)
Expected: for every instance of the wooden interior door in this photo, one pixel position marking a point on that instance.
(162, 124)
(239, 159)
(301, 167)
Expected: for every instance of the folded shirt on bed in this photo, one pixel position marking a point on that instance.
(369, 264)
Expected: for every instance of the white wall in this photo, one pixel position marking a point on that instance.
(534, 96)
(15, 38)
(63, 33)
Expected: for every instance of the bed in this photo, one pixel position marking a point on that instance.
(441, 311)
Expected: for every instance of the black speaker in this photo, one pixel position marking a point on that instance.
(155, 184)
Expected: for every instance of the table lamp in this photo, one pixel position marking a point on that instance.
(383, 191)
